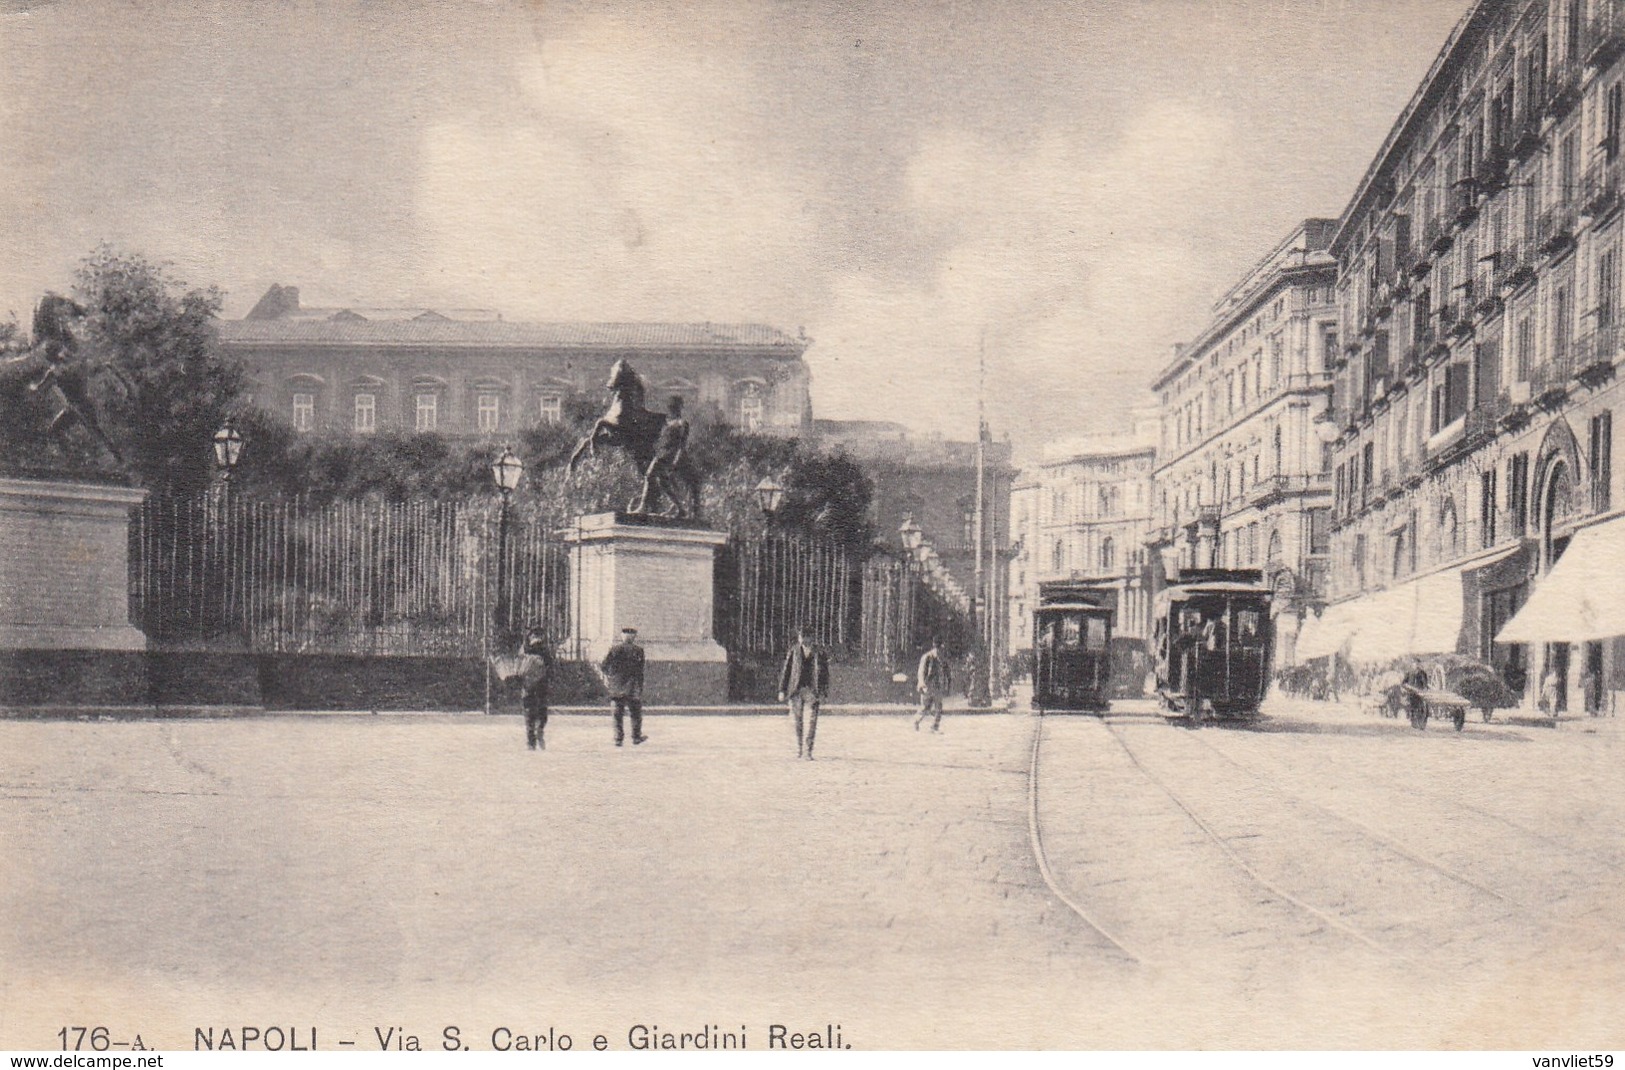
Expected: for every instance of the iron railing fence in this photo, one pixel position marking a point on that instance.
(355, 577)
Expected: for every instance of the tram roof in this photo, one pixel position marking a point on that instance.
(1185, 590)
(1072, 607)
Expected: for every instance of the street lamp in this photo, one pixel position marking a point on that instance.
(769, 495)
(912, 534)
(506, 471)
(228, 447)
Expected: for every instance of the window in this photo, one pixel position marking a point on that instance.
(1560, 322)
(427, 412)
(304, 412)
(488, 413)
(1368, 463)
(1517, 493)
(1058, 558)
(1398, 569)
(551, 409)
(1601, 461)
(750, 407)
(1525, 356)
(1108, 554)
(1359, 560)
(1487, 508)
(1448, 546)
(366, 413)
(1607, 285)
(1610, 123)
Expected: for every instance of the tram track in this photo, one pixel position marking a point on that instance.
(1146, 839)
(1035, 834)
(1327, 917)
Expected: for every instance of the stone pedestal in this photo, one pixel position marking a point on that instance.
(629, 572)
(65, 633)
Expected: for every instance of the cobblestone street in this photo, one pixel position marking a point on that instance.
(1324, 878)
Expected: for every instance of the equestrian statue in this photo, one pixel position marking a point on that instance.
(52, 376)
(656, 442)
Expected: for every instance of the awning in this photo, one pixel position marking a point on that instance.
(1423, 616)
(1326, 635)
(1385, 622)
(1582, 597)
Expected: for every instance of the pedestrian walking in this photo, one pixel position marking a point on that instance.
(932, 681)
(536, 666)
(1548, 691)
(804, 684)
(622, 670)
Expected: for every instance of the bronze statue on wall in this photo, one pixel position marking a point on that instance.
(51, 379)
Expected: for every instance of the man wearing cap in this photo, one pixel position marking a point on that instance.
(623, 676)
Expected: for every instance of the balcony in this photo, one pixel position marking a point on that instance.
(1514, 406)
(1549, 382)
(1555, 230)
(1562, 89)
(1595, 355)
(1438, 236)
(1512, 267)
(1420, 260)
(1526, 131)
(1604, 36)
(1491, 175)
(1461, 203)
(1601, 190)
(1487, 290)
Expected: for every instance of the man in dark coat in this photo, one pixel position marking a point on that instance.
(932, 681)
(536, 666)
(623, 675)
(804, 683)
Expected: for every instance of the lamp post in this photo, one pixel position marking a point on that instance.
(769, 496)
(911, 533)
(506, 471)
(228, 447)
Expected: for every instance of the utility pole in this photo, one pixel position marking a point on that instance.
(979, 682)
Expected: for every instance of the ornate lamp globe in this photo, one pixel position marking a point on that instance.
(228, 447)
(769, 495)
(507, 470)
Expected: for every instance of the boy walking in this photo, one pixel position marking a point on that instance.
(536, 666)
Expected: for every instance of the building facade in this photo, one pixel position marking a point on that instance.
(1080, 515)
(1241, 476)
(469, 372)
(1479, 290)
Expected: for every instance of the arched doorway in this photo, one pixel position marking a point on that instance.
(1556, 509)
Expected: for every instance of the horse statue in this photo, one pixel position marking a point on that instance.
(656, 442)
(52, 369)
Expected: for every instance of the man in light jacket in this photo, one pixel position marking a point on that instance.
(932, 681)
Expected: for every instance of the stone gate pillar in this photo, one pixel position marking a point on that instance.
(656, 576)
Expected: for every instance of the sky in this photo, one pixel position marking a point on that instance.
(1057, 192)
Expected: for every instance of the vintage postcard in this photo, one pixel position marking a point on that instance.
(782, 525)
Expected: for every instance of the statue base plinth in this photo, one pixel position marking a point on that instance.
(653, 574)
(65, 633)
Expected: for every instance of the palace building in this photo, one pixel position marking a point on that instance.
(1241, 473)
(470, 372)
(1480, 303)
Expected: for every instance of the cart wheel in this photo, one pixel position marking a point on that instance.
(1459, 719)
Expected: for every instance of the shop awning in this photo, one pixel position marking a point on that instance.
(1436, 623)
(1327, 634)
(1386, 619)
(1582, 597)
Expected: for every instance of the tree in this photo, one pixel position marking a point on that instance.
(174, 386)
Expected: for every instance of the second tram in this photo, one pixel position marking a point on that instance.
(1212, 635)
(1072, 654)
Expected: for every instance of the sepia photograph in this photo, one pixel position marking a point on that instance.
(781, 525)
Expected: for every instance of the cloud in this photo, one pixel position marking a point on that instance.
(1068, 259)
(625, 181)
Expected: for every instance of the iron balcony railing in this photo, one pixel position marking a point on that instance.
(1604, 35)
(1549, 381)
(1556, 228)
(1601, 188)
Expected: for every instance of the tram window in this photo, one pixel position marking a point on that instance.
(1190, 620)
(1072, 633)
(1096, 639)
(1247, 624)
